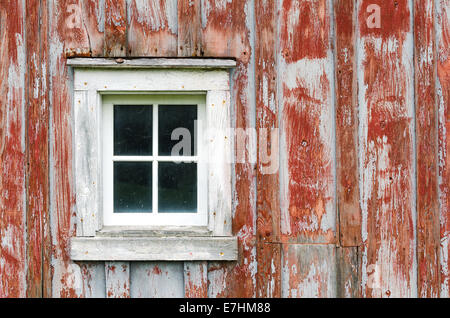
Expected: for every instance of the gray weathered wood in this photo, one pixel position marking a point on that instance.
(151, 63)
(87, 162)
(154, 248)
(117, 279)
(219, 161)
(157, 280)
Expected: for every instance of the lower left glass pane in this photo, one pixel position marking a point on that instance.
(132, 187)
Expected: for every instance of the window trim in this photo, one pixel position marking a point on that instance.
(96, 77)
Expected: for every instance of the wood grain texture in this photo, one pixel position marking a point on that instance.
(268, 200)
(70, 33)
(347, 173)
(308, 271)
(13, 270)
(82, 25)
(228, 31)
(307, 180)
(149, 248)
(348, 278)
(115, 38)
(386, 101)
(443, 90)
(426, 145)
(37, 148)
(189, 28)
(93, 279)
(196, 279)
(157, 280)
(152, 28)
(117, 279)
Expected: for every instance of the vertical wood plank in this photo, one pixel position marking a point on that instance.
(152, 28)
(348, 280)
(157, 280)
(196, 279)
(87, 176)
(307, 180)
(83, 23)
(93, 21)
(386, 102)
(93, 279)
(189, 28)
(228, 30)
(443, 89)
(426, 145)
(12, 152)
(70, 33)
(308, 271)
(115, 28)
(268, 207)
(219, 155)
(347, 175)
(117, 279)
(37, 113)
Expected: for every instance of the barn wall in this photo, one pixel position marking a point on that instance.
(358, 205)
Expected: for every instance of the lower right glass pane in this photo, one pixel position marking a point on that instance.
(177, 187)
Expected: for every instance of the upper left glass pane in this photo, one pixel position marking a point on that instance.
(133, 130)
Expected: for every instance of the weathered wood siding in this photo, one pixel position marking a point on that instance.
(349, 98)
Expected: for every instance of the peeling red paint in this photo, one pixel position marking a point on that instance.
(426, 141)
(12, 155)
(268, 197)
(306, 97)
(347, 175)
(115, 28)
(443, 70)
(387, 148)
(150, 31)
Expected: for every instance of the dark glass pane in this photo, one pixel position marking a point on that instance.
(133, 130)
(177, 187)
(132, 187)
(171, 117)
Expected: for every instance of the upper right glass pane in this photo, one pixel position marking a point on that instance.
(176, 121)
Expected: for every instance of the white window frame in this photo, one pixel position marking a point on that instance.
(200, 218)
(98, 77)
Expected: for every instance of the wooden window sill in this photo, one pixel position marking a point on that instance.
(154, 248)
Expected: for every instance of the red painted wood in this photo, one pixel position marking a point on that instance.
(37, 150)
(196, 279)
(268, 207)
(307, 164)
(115, 28)
(189, 28)
(443, 70)
(387, 151)
(72, 32)
(426, 145)
(152, 29)
(347, 175)
(12, 153)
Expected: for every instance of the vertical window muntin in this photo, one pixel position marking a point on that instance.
(155, 217)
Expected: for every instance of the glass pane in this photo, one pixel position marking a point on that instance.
(132, 187)
(176, 120)
(177, 187)
(133, 130)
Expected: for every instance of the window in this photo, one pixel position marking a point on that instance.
(152, 160)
